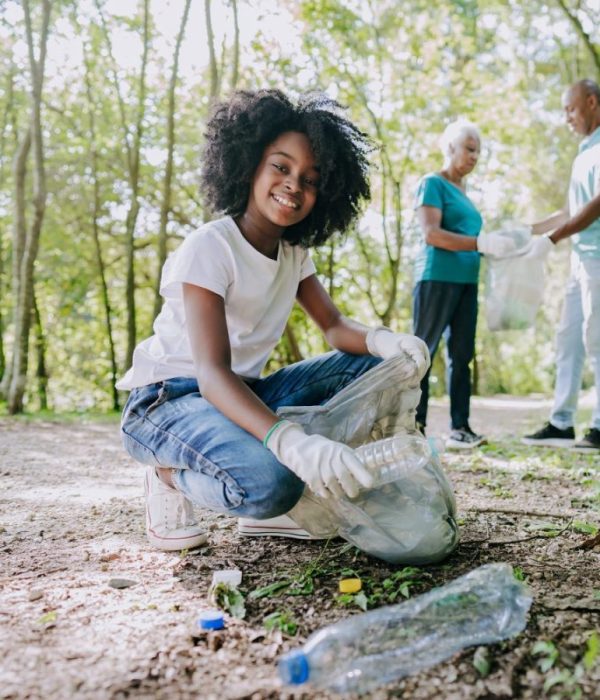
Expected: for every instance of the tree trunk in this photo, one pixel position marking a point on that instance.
(214, 68)
(295, 354)
(235, 73)
(133, 167)
(8, 108)
(19, 236)
(96, 209)
(134, 208)
(165, 207)
(40, 351)
(589, 44)
(24, 299)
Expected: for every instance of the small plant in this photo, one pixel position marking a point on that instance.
(518, 573)
(281, 621)
(548, 652)
(482, 661)
(229, 598)
(397, 585)
(584, 528)
(567, 684)
(48, 618)
(592, 651)
(300, 584)
(348, 599)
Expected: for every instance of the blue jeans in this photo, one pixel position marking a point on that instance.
(217, 464)
(578, 333)
(448, 309)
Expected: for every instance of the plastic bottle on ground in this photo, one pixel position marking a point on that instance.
(370, 649)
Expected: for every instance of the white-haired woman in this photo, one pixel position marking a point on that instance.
(447, 271)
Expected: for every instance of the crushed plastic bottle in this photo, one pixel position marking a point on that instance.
(366, 651)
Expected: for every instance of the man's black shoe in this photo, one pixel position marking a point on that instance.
(551, 436)
(590, 443)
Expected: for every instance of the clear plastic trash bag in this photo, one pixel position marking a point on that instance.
(514, 284)
(408, 516)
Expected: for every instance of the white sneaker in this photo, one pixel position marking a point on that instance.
(281, 526)
(170, 522)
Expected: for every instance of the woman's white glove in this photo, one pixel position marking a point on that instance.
(382, 342)
(540, 248)
(493, 244)
(329, 468)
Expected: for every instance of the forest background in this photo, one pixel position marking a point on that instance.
(102, 108)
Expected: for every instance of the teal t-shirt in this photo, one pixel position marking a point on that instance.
(459, 215)
(583, 187)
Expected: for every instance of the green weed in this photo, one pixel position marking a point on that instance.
(281, 620)
(229, 598)
(565, 683)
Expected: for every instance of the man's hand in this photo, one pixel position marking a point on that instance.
(382, 342)
(493, 244)
(329, 468)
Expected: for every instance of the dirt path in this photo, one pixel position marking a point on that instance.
(71, 521)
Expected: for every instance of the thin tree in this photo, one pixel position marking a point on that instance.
(235, 70)
(26, 237)
(212, 56)
(96, 211)
(133, 148)
(165, 207)
(41, 372)
(6, 118)
(591, 47)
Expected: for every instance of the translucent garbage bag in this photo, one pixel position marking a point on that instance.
(408, 516)
(380, 403)
(514, 284)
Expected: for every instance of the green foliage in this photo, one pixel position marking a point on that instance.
(548, 653)
(228, 597)
(519, 574)
(566, 683)
(403, 69)
(281, 620)
(482, 662)
(350, 599)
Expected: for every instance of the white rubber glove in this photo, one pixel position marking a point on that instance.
(382, 342)
(493, 244)
(329, 468)
(540, 248)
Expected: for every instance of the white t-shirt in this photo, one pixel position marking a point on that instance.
(259, 294)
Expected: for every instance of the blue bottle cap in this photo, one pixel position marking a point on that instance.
(211, 620)
(293, 668)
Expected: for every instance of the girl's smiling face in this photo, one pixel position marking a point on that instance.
(284, 187)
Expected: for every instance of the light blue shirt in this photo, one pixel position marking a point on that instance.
(459, 215)
(583, 187)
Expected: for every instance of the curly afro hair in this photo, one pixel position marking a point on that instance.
(240, 129)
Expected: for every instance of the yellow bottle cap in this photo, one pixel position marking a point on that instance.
(350, 585)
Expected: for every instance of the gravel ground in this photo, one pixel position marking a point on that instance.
(71, 526)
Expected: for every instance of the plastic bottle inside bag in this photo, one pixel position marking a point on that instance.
(395, 457)
(406, 517)
(368, 650)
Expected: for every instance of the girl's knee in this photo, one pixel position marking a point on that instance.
(274, 498)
